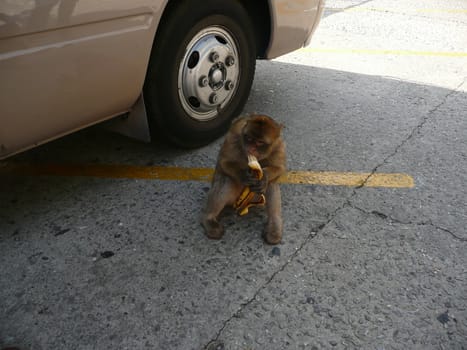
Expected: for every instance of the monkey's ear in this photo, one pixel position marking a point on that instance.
(239, 118)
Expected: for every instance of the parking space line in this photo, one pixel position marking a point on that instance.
(443, 10)
(115, 171)
(384, 52)
(376, 9)
(333, 178)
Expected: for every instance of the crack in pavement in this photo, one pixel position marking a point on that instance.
(416, 130)
(384, 216)
(310, 236)
(213, 343)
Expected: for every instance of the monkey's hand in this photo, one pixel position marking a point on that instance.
(256, 185)
(248, 178)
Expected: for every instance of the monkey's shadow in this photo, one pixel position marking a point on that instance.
(248, 224)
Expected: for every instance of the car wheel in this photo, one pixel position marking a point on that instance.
(200, 71)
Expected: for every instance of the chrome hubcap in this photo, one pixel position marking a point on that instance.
(208, 74)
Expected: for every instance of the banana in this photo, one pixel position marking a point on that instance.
(248, 198)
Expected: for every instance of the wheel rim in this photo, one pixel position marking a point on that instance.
(209, 73)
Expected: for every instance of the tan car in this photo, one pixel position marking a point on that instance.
(178, 68)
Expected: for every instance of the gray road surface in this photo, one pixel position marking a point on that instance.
(102, 263)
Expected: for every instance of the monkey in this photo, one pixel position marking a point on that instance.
(260, 136)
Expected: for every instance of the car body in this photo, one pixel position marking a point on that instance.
(69, 64)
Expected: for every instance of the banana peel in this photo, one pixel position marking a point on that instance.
(249, 198)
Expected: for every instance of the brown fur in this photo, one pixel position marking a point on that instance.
(231, 173)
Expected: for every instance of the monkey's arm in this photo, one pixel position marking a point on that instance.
(234, 170)
(274, 166)
(270, 174)
(243, 175)
(274, 172)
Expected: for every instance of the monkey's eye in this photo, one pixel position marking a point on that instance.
(249, 139)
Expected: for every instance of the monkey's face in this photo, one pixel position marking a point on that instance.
(259, 134)
(255, 146)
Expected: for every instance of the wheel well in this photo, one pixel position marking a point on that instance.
(260, 18)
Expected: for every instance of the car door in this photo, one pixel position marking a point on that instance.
(67, 64)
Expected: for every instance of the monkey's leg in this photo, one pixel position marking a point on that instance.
(223, 192)
(273, 229)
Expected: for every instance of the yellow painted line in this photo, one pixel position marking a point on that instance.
(115, 171)
(375, 9)
(357, 9)
(443, 10)
(332, 178)
(384, 52)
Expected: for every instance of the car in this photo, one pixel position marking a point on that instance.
(180, 69)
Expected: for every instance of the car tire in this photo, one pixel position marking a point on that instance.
(200, 72)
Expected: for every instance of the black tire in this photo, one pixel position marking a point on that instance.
(168, 116)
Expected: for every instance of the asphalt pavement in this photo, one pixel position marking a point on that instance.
(109, 262)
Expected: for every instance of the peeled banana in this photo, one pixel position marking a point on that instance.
(248, 198)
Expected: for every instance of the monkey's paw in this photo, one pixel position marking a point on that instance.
(257, 185)
(272, 237)
(214, 229)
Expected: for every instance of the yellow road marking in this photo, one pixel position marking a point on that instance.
(331, 178)
(375, 9)
(443, 10)
(324, 178)
(384, 52)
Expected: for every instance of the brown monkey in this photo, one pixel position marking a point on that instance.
(260, 136)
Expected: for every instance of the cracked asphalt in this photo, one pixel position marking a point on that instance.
(95, 263)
